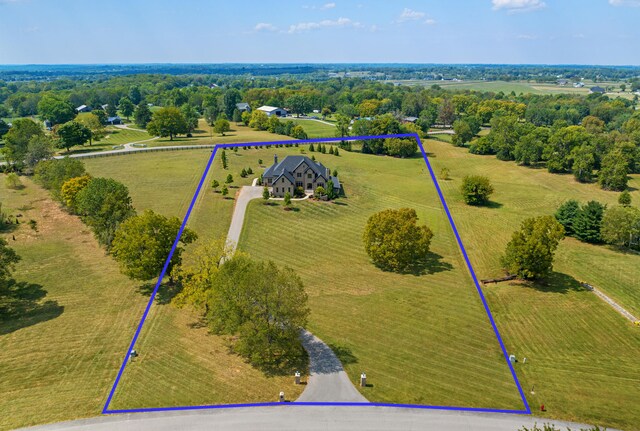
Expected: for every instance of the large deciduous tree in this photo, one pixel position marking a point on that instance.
(142, 245)
(530, 252)
(614, 170)
(169, 122)
(394, 241)
(51, 174)
(16, 140)
(621, 226)
(72, 134)
(126, 106)
(55, 109)
(104, 204)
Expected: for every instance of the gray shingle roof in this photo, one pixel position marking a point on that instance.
(290, 163)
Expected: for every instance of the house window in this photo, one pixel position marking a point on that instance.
(299, 174)
(282, 180)
(299, 184)
(321, 185)
(289, 189)
(309, 176)
(276, 190)
(309, 186)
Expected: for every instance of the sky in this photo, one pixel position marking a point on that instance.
(605, 32)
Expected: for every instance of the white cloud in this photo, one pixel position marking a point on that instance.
(527, 36)
(307, 26)
(328, 6)
(265, 26)
(410, 15)
(632, 3)
(430, 21)
(515, 6)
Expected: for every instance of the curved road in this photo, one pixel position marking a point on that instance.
(308, 418)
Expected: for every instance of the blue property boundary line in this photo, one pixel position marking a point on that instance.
(106, 409)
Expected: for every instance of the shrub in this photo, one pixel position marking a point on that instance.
(13, 181)
(444, 174)
(476, 190)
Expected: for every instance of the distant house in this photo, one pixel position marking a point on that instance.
(297, 171)
(562, 81)
(597, 89)
(47, 125)
(114, 120)
(83, 108)
(578, 84)
(409, 119)
(104, 107)
(273, 110)
(243, 106)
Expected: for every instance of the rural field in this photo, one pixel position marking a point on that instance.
(315, 129)
(421, 339)
(581, 355)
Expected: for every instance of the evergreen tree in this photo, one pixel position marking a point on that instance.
(566, 215)
(311, 147)
(624, 199)
(588, 222)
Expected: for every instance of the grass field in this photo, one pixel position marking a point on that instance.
(422, 339)
(315, 129)
(582, 355)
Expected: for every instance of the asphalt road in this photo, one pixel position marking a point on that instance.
(312, 418)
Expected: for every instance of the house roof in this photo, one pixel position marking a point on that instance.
(290, 163)
(110, 119)
(242, 105)
(410, 119)
(81, 107)
(597, 89)
(267, 108)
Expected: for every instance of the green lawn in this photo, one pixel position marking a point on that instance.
(315, 129)
(582, 355)
(422, 339)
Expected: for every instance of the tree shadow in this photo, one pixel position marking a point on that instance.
(166, 291)
(493, 205)
(432, 263)
(345, 354)
(21, 306)
(556, 282)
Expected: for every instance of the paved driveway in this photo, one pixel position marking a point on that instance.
(247, 193)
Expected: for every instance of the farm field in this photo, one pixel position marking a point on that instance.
(581, 355)
(422, 339)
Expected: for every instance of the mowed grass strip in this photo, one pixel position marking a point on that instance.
(314, 129)
(420, 339)
(582, 356)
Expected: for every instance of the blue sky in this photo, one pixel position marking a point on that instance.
(256, 31)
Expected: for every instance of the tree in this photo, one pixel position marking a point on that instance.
(229, 179)
(246, 117)
(566, 215)
(625, 198)
(463, 133)
(446, 113)
(230, 99)
(243, 173)
(225, 191)
(4, 128)
(169, 122)
(191, 117)
(476, 190)
(326, 111)
(223, 158)
(134, 95)
(529, 254)
(265, 194)
(92, 122)
(287, 200)
(70, 189)
(330, 189)
(259, 120)
(401, 147)
(298, 103)
(588, 221)
(265, 306)
(126, 107)
(298, 132)
(12, 181)
(111, 110)
(51, 174)
(221, 126)
(72, 134)
(142, 115)
(249, 171)
(51, 107)
(621, 226)
(104, 204)
(342, 125)
(237, 116)
(39, 148)
(215, 184)
(614, 170)
(394, 241)
(16, 140)
(142, 243)
(8, 260)
(583, 163)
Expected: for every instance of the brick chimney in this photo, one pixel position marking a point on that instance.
(275, 159)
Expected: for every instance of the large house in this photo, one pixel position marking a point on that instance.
(297, 171)
(273, 110)
(597, 89)
(243, 106)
